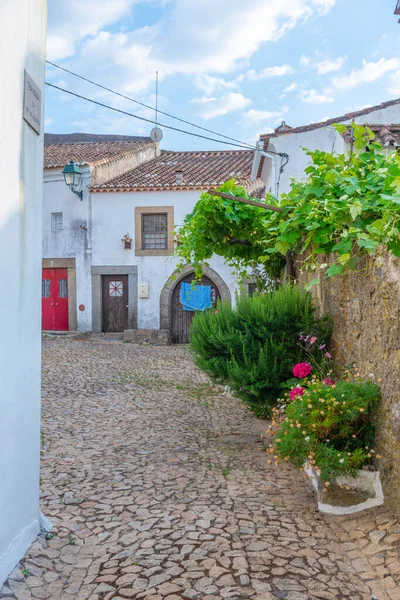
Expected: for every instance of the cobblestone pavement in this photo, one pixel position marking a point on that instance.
(157, 487)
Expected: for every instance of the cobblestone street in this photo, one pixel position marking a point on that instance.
(157, 487)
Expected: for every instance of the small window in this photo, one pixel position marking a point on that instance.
(45, 288)
(62, 288)
(57, 221)
(115, 288)
(154, 231)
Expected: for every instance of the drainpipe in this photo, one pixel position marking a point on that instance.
(89, 218)
(274, 165)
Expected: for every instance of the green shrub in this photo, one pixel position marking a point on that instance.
(254, 346)
(330, 427)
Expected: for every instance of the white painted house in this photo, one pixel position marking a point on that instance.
(287, 159)
(93, 280)
(22, 66)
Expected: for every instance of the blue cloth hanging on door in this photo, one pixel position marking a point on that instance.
(197, 297)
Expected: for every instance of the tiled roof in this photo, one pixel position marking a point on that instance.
(287, 130)
(78, 138)
(387, 135)
(199, 170)
(90, 153)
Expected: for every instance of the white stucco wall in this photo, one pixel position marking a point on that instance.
(324, 138)
(114, 215)
(72, 241)
(22, 35)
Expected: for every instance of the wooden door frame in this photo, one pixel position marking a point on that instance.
(174, 280)
(69, 264)
(97, 300)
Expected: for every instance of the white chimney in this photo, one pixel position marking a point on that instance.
(179, 177)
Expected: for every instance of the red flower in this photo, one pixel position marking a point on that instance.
(297, 391)
(302, 370)
(329, 381)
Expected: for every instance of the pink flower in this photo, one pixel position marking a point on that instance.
(301, 337)
(322, 346)
(297, 391)
(302, 370)
(313, 340)
(215, 312)
(328, 355)
(328, 381)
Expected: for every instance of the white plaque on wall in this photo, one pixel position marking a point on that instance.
(32, 103)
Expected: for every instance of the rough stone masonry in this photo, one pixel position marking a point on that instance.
(365, 306)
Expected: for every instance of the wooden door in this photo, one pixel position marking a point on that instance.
(55, 299)
(115, 302)
(181, 319)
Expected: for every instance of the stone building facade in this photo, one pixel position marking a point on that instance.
(365, 307)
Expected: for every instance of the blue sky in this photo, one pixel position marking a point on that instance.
(238, 68)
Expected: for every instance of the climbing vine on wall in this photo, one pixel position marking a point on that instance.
(348, 205)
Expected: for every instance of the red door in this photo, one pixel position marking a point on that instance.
(55, 300)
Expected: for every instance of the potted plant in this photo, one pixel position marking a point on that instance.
(326, 427)
(127, 240)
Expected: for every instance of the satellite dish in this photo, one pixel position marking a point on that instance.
(156, 134)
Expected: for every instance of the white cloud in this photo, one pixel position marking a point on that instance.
(314, 97)
(215, 35)
(71, 21)
(324, 5)
(290, 88)
(209, 84)
(305, 61)
(193, 38)
(394, 84)
(356, 107)
(48, 120)
(277, 71)
(253, 116)
(327, 66)
(208, 108)
(369, 72)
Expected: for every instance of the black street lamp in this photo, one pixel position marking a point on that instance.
(73, 177)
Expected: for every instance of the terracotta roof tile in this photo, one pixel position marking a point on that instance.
(199, 170)
(387, 135)
(90, 153)
(365, 111)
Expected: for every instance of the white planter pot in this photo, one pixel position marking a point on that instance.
(366, 481)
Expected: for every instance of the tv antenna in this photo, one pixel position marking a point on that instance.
(156, 133)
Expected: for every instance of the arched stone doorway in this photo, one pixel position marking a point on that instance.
(171, 313)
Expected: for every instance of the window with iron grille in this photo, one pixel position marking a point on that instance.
(45, 288)
(154, 231)
(57, 221)
(62, 288)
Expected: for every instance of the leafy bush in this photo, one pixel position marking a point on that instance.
(253, 346)
(348, 206)
(331, 427)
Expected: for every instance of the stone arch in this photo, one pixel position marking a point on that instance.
(174, 280)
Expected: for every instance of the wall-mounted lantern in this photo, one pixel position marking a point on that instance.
(73, 177)
(127, 240)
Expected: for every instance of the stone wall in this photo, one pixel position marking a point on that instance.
(365, 306)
